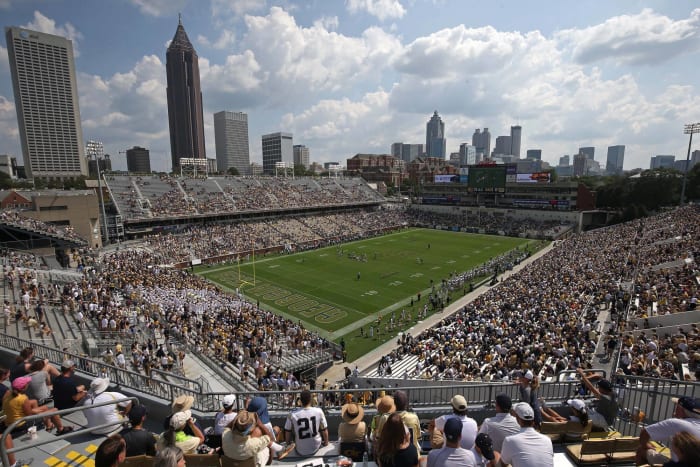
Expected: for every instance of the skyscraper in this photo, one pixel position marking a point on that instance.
(589, 152)
(482, 142)
(662, 161)
(435, 143)
(231, 137)
(276, 147)
(515, 135)
(46, 100)
(564, 160)
(467, 154)
(616, 158)
(534, 154)
(138, 160)
(503, 145)
(301, 155)
(184, 99)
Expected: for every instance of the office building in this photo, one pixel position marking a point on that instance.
(615, 159)
(406, 151)
(138, 160)
(46, 101)
(8, 165)
(481, 140)
(184, 100)
(301, 155)
(515, 136)
(467, 154)
(662, 162)
(231, 138)
(435, 143)
(580, 165)
(534, 154)
(276, 147)
(564, 161)
(587, 151)
(503, 145)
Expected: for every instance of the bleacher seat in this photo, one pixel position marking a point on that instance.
(591, 451)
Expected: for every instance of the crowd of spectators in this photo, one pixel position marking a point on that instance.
(16, 219)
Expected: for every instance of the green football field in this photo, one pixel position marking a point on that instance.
(336, 290)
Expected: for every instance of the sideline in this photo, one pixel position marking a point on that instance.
(336, 373)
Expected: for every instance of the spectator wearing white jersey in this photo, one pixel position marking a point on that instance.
(306, 427)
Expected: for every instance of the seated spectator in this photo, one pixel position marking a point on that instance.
(394, 448)
(385, 407)
(686, 448)
(40, 386)
(410, 419)
(502, 425)
(306, 427)
(469, 427)
(175, 434)
(138, 440)
(112, 414)
(484, 451)
(528, 447)
(180, 404)
(226, 415)
(111, 452)
(686, 417)
(352, 429)
(452, 455)
(17, 405)
(259, 406)
(171, 456)
(66, 392)
(247, 437)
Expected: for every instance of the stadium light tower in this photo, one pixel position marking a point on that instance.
(95, 149)
(688, 129)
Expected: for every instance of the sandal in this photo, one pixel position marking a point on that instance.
(64, 430)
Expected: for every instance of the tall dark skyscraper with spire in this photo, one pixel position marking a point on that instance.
(184, 99)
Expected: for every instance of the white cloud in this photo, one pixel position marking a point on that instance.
(5, 4)
(4, 60)
(159, 7)
(227, 8)
(226, 40)
(9, 132)
(644, 38)
(382, 9)
(329, 23)
(45, 24)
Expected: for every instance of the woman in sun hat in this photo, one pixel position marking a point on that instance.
(175, 434)
(353, 428)
(385, 407)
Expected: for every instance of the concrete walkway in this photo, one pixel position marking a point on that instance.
(337, 371)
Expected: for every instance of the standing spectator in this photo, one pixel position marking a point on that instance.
(529, 386)
(686, 417)
(527, 448)
(453, 454)
(111, 452)
(66, 393)
(604, 413)
(502, 425)
(352, 429)
(247, 437)
(394, 448)
(307, 427)
(110, 413)
(410, 419)
(138, 440)
(468, 424)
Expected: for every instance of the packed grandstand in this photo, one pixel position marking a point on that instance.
(622, 298)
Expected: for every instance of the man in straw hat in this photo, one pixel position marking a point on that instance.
(114, 414)
(352, 429)
(180, 404)
(686, 417)
(246, 437)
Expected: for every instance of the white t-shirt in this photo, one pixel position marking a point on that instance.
(105, 414)
(469, 429)
(452, 457)
(306, 423)
(664, 430)
(499, 427)
(222, 420)
(528, 449)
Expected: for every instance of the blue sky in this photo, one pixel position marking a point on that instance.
(349, 76)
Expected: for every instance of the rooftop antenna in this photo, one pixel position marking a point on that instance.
(179, 19)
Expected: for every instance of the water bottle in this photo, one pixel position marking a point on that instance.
(365, 458)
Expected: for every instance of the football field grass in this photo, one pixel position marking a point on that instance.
(338, 289)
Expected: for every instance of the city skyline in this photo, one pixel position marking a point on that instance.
(354, 77)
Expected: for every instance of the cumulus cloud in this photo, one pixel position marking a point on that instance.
(381, 9)
(226, 8)
(159, 7)
(226, 40)
(4, 63)
(644, 38)
(329, 23)
(45, 24)
(8, 126)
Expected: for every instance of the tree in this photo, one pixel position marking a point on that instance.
(233, 171)
(300, 170)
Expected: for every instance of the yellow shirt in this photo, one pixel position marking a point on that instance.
(13, 407)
